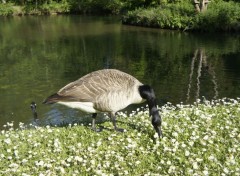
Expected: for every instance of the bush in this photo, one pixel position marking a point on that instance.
(55, 7)
(171, 16)
(6, 9)
(220, 16)
(96, 6)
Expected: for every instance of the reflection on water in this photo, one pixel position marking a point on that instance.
(200, 59)
(39, 55)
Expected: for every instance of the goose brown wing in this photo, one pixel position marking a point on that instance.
(89, 88)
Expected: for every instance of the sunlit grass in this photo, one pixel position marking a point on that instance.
(199, 139)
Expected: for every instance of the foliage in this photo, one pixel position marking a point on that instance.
(171, 16)
(55, 7)
(96, 6)
(6, 9)
(199, 139)
(220, 16)
(46, 7)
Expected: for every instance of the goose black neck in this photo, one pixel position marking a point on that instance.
(147, 93)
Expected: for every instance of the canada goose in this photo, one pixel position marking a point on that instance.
(107, 90)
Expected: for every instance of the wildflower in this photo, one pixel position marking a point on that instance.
(205, 172)
(62, 170)
(24, 161)
(155, 136)
(195, 165)
(175, 134)
(69, 159)
(8, 141)
(187, 153)
(211, 157)
(77, 158)
(205, 137)
(226, 170)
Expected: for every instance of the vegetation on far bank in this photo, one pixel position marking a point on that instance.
(199, 139)
(220, 16)
(216, 15)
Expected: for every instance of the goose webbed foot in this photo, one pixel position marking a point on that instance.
(119, 129)
(97, 129)
(113, 118)
(94, 123)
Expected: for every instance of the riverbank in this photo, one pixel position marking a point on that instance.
(199, 139)
(219, 16)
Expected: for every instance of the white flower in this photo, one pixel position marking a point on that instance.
(62, 170)
(138, 162)
(175, 134)
(24, 160)
(211, 157)
(13, 165)
(191, 143)
(99, 143)
(168, 162)
(195, 165)
(69, 159)
(155, 136)
(40, 163)
(226, 170)
(92, 162)
(187, 153)
(205, 137)
(7, 141)
(77, 158)
(205, 172)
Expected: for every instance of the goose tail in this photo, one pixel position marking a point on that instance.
(52, 99)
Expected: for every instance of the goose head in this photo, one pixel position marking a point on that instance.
(147, 93)
(33, 107)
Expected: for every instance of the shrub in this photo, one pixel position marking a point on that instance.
(55, 7)
(6, 9)
(220, 16)
(172, 16)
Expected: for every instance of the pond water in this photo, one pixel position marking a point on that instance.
(39, 55)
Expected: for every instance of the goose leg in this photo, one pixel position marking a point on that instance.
(113, 118)
(94, 115)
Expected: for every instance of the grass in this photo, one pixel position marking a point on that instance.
(199, 139)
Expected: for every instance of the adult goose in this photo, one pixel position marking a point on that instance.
(107, 90)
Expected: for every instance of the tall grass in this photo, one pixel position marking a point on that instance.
(199, 139)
